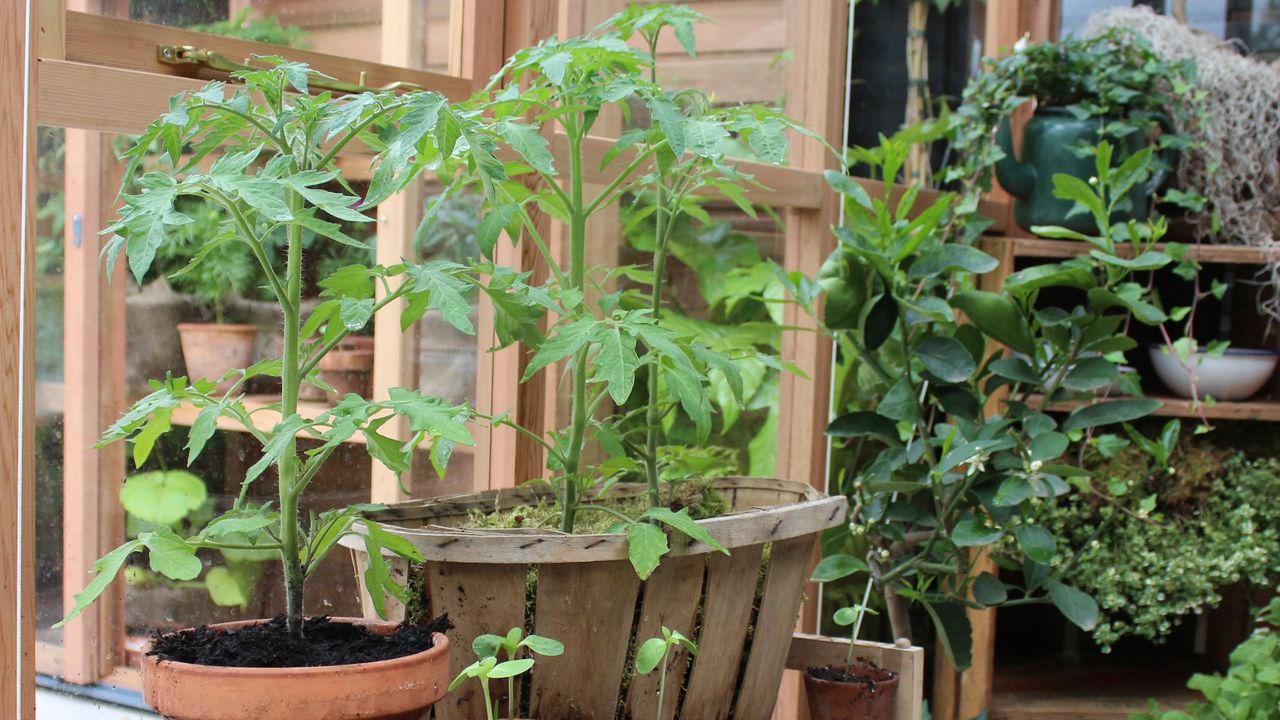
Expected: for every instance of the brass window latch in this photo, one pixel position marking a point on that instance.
(212, 60)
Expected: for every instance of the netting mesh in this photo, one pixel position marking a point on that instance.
(1236, 130)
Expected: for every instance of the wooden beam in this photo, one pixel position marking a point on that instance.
(18, 38)
(131, 45)
(52, 21)
(394, 352)
(817, 35)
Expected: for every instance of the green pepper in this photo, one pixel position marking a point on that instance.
(844, 278)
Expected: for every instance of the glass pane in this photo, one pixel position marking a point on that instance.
(717, 281)
(348, 29)
(742, 53)
(49, 387)
(882, 77)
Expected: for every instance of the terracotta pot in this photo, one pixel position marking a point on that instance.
(400, 689)
(212, 349)
(348, 368)
(831, 700)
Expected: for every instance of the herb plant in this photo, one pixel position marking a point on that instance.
(953, 445)
(653, 654)
(274, 147)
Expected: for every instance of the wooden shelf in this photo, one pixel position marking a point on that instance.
(1099, 693)
(1033, 247)
(1265, 410)
(265, 419)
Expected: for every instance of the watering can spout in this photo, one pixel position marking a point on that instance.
(1016, 177)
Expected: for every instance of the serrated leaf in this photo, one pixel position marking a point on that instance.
(282, 437)
(616, 361)
(529, 143)
(646, 544)
(105, 570)
(170, 555)
(685, 524)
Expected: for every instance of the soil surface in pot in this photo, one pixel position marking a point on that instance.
(269, 645)
(860, 674)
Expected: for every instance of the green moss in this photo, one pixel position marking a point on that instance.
(698, 496)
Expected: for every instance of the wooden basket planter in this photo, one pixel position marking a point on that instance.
(741, 608)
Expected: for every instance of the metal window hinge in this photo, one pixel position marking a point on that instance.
(203, 57)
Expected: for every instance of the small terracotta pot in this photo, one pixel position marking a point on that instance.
(401, 689)
(831, 700)
(348, 368)
(212, 349)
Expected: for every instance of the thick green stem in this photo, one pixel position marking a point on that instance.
(578, 368)
(652, 411)
(662, 685)
(511, 697)
(291, 381)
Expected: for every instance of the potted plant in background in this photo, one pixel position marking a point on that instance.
(952, 447)
(853, 689)
(212, 273)
(275, 146)
(1109, 87)
(591, 539)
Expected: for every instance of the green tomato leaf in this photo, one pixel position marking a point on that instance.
(105, 569)
(170, 555)
(646, 544)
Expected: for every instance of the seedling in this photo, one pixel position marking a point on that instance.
(654, 653)
(487, 646)
(488, 668)
(851, 617)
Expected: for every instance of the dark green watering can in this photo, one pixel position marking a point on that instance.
(1047, 140)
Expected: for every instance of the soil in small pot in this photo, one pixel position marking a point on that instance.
(325, 643)
(867, 692)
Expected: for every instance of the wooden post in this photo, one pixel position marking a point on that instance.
(18, 37)
(493, 30)
(395, 352)
(817, 35)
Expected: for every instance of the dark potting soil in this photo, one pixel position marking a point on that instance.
(859, 674)
(269, 645)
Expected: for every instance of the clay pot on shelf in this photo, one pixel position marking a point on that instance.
(867, 693)
(1237, 374)
(399, 689)
(348, 368)
(210, 350)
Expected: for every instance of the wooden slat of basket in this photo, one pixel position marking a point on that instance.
(595, 629)
(479, 599)
(731, 588)
(788, 566)
(814, 650)
(671, 597)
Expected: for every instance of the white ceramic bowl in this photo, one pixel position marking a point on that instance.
(1237, 375)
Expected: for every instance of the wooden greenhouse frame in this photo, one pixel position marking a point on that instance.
(70, 64)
